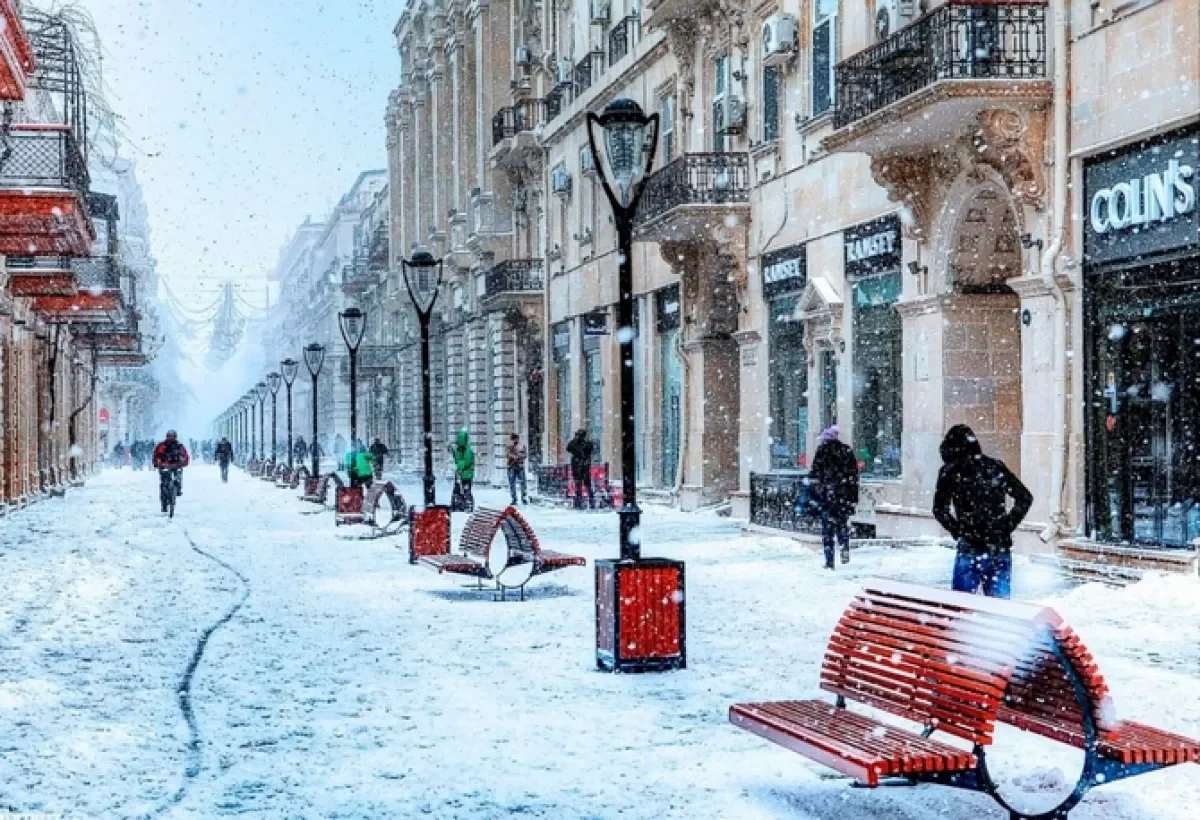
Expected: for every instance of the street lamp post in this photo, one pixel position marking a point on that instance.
(260, 392)
(353, 323)
(428, 529)
(288, 368)
(314, 357)
(630, 138)
(273, 382)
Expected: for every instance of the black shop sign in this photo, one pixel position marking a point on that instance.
(1140, 201)
(784, 271)
(873, 247)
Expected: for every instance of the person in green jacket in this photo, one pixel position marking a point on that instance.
(358, 463)
(464, 466)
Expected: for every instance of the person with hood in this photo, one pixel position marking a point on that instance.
(834, 481)
(971, 502)
(581, 449)
(224, 455)
(358, 465)
(464, 469)
(379, 451)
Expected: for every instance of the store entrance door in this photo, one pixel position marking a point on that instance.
(1149, 373)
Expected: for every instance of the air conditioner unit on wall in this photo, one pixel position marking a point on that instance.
(524, 57)
(587, 160)
(560, 180)
(892, 15)
(563, 71)
(779, 39)
(600, 11)
(729, 116)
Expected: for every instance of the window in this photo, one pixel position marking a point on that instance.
(667, 119)
(720, 91)
(824, 54)
(770, 104)
(878, 334)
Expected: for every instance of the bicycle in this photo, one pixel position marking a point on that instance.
(168, 491)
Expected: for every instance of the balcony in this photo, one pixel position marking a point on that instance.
(513, 126)
(514, 283)
(623, 38)
(43, 179)
(688, 197)
(916, 88)
(358, 277)
(30, 276)
(17, 62)
(378, 358)
(588, 71)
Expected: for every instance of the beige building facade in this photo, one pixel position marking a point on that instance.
(892, 216)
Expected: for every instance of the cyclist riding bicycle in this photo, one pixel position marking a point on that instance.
(170, 457)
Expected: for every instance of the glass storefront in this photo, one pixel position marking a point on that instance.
(562, 388)
(593, 386)
(785, 275)
(1142, 346)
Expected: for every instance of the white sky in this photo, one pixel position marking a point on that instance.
(245, 116)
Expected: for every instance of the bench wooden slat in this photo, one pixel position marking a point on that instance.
(457, 564)
(549, 558)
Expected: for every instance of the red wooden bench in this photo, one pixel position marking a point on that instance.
(267, 471)
(958, 664)
(316, 488)
(511, 562)
(380, 507)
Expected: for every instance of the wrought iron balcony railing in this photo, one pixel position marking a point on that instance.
(696, 179)
(513, 119)
(588, 71)
(623, 37)
(513, 276)
(556, 99)
(42, 156)
(961, 40)
(781, 500)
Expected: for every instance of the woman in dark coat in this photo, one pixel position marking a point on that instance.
(834, 478)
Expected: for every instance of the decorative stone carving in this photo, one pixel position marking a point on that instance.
(1012, 144)
(916, 181)
(708, 285)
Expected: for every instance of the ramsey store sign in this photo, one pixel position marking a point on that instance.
(1141, 201)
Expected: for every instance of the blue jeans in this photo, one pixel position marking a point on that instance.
(834, 527)
(991, 570)
(516, 475)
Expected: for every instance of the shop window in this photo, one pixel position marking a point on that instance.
(878, 383)
(594, 330)
(770, 104)
(787, 369)
(824, 54)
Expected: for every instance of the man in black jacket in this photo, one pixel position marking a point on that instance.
(834, 479)
(971, 502)
(581, 449)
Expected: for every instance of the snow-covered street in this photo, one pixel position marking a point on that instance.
(333, 679)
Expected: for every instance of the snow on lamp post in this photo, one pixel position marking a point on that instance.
(288, 368)
(274, 380)
(429, 530)
(314, 357)
(260, 392)
(632, 590)
(353, 323)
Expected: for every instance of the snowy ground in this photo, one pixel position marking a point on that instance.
(351, 684)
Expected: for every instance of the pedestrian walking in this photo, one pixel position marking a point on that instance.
(834, 481)
(972, 503)
(224, 455)
(379, 451)
(300, 450)
(515, 455)
(581, 449)
(464, 472)
(358, 465)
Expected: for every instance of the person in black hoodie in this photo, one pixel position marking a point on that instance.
(971, 502)
(834, 479)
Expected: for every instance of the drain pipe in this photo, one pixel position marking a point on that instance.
(684, 406)
(1049, 262)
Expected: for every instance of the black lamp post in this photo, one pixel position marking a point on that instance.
(632, 589)
(422, 278)
(314, 357)
(273, 382)
(289, 368)
(353, 323)
(260, 393)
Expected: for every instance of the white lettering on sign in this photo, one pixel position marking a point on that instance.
(1153, 198)
(871, 246)
(781, 271)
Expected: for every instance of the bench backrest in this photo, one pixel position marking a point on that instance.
(482, 526)
(942, 659)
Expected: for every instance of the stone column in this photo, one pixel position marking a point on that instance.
(456, 379)
(478, 384)
(504, 404)
(1034, 416)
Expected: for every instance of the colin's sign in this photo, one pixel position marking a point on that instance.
(1142, 201)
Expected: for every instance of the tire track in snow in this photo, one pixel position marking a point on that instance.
(184, 690)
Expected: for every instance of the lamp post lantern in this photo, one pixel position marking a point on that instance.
(314, 357)
(273, 383)
(288, 368)
(260, 393)
(632, 589)
(353, 323)
(422, 278)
